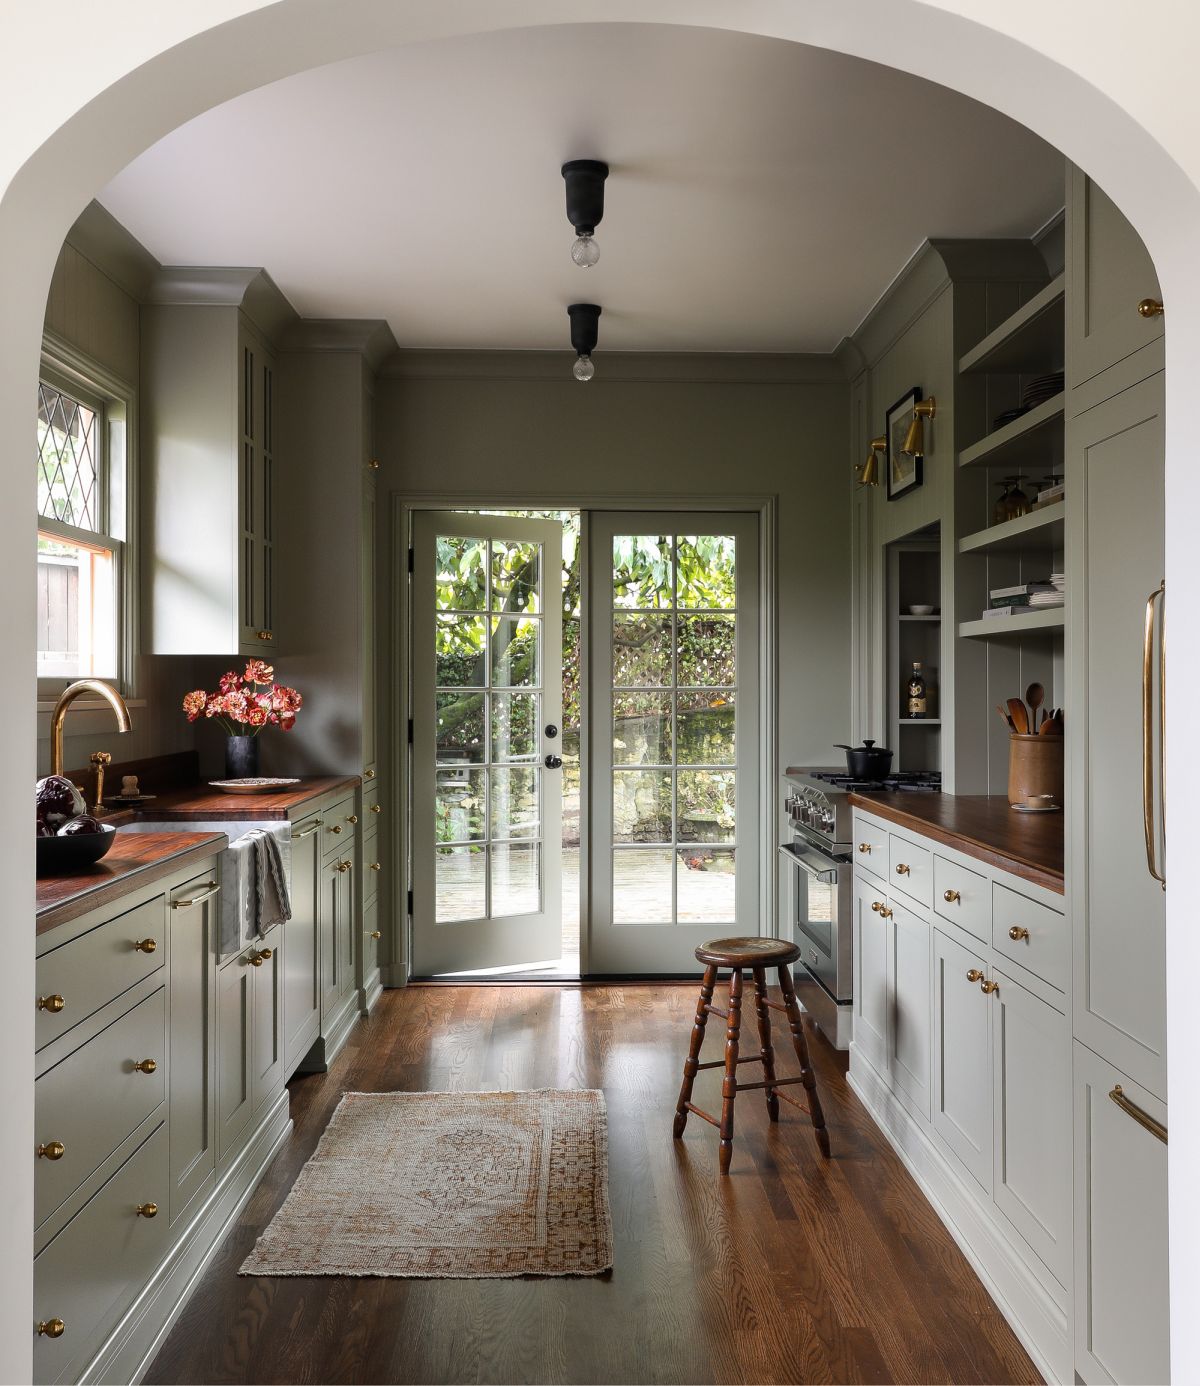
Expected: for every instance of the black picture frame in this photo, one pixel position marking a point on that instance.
(904, 473)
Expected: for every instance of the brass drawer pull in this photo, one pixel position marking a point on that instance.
(975, 975)
(145, 1066)
(308, 832)
(988, 987)
(376, 808)
(52, 1150)
(1148, 734)
(336, 828)
(265, 635)
(1018, 932)
(376, 934)
(54, 1003)
(145, 945)
(376, 866)
(51, 1328)
(207, 891)
(876, 906)
(951, 897)
(864, 847)
(352, 818)
(1150, 308)
(1144, 1119)
(344, 865)
(147, 1210)
(368, 774)
(902, 870)
(261, 956)
(884, 912)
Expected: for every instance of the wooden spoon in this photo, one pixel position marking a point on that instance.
(1020, 717)
(1006, 717)
(1035, 695)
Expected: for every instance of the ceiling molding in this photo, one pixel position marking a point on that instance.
(245, 287)
(624, 367)
(370, 338)
(101, 239)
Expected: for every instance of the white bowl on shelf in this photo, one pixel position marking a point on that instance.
(922, 610)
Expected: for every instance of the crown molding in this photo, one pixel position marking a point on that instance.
(623, 367)
(370, 338)
(101, 239)
(248, 288)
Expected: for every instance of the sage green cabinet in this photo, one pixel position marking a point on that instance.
(302, 946)
(337, 933)
(266, 1045)
(962, 1088)
(369, 671)
(908, 1004)
(256, 551)
(871, 972)
(192, 1039)
(235, 1068)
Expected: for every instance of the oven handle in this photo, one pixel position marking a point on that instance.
(812, 862)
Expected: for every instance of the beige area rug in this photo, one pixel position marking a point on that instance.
(449, 1184)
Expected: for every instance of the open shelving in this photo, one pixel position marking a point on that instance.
(1020, 442)
(1024, 623)
(1031, 339)
(1041, 531)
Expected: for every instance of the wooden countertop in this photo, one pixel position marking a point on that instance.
(1029, 845)
(134, 859)
(200, 802)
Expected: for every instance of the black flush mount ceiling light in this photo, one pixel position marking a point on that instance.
(585, 329)
(585, 206)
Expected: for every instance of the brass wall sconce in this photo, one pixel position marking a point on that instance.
(868, 472)
(914, 439)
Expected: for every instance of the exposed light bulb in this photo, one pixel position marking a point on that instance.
(585, 252)
(584, 367)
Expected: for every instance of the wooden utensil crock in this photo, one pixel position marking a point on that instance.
(1035, 767)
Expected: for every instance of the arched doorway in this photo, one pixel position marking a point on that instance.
(162, 76)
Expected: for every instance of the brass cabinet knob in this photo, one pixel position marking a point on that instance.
(145, 1066)
(876, 906)
(376, 934)
(368, 774)
(1150, 308)
(951, 897)
(53, 1003)
(988, 987)
(975, 975)
(51, 1328)
(376, 808)
(373, 464)
(336, 828)
(254, 960)
(52, 1150)
(260, 956)
(145, 945)
(902, 870)
(344, 865)
(1018, 932)
(376, 866)
(265, 635)
(147, 1210)
(884, 912)
(266, 953)
(352, 818)
(864, 847)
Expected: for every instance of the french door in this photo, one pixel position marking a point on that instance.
(486, 742)
(675, 736)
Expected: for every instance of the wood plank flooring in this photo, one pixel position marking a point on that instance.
(791, 1270)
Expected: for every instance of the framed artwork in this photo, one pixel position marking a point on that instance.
(904, 473)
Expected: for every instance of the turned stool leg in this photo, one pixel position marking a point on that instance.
(808, 1077)
(764, 1041)
(729, 1085)
(692, 1062)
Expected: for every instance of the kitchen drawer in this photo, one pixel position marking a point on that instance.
(963, 897)
(1041, 942)
(911, 869)
(340, 829)
(871, 847)
(89, 971)
(98, 1263)
(372, 866)
(91, 1101)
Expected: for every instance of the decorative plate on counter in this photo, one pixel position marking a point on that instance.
(252, 784)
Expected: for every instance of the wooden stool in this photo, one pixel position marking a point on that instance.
(757, 954)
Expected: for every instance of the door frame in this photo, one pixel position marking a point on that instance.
(395, 644)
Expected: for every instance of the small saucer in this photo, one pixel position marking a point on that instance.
(1041, 808)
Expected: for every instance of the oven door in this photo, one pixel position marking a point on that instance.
(817, 904)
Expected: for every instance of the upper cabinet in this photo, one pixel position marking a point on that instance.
(209, 462)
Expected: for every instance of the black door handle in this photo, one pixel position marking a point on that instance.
(554, 762)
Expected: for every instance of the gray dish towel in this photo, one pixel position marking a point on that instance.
(254, 883)
(272, 900)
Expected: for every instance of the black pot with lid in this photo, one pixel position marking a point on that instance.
(866, 762)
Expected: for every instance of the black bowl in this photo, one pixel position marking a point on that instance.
(63, 856)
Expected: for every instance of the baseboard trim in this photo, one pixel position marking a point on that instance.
(326, 1048)
(369, 994)
(131, 1347)
(1038, 1320)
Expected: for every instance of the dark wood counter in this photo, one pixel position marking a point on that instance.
(1029, 845)
(134, 859)
(200, 802)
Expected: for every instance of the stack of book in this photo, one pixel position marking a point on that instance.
(1027, 596)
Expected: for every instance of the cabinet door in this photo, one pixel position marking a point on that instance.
(1031, 1102)
(192, 1039)
(256, 436)
(302, 946)
(335, 922)
(871, 973)
(367, 590)
(1111, 272)
(349, 932)
(908, 993)
(370, 955)
(1121, 1294)
(962, 1087)
(234, 1067)
(1115, 469)
(266, 1045)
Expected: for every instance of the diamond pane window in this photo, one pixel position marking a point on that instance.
(68, 470)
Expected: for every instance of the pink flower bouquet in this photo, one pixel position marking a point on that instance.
(246, 703)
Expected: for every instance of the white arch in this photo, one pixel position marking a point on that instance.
(1100, 80)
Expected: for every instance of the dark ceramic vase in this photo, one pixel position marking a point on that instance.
(241, 757)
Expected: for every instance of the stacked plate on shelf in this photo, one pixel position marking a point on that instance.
(1041, 388)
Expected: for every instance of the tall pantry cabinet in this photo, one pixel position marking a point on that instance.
(1115, 841)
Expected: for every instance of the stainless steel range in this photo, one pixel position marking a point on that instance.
(817, 900)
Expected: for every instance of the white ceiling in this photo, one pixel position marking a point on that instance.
(762, 195)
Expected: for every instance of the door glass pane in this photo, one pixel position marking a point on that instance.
(461, 735)
(642, 886)
(706, 571)
(461, 805)
(641, 806)
(707, 724)
(461, 888)
(642, 651)
(516, 879)
(707, 651)
(705, 884)
(706, 803)
(461, 656)
(516, 651)
(515, 721)
(515, 585)
(515, 803)
(643, 572)
(642, 729)
(461, 582)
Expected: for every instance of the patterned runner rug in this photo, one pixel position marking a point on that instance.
(449, 1184)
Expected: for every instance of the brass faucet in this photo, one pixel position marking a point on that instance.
(58, 716)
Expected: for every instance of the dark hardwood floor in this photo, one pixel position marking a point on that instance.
(793, 1269)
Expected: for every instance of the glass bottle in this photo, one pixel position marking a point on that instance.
(916, 699)
(1000, 504)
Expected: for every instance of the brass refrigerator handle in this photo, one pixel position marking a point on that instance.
(1144, 1119)
(1148, 735)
